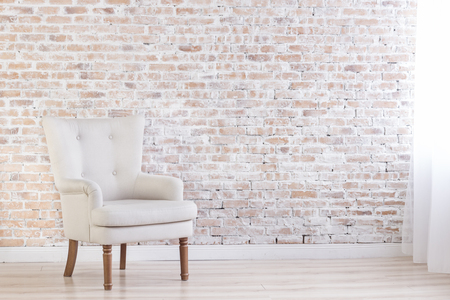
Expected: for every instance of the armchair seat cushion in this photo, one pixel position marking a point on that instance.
(134, 212)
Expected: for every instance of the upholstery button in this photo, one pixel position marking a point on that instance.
(82, 174)
(110, 137)
(78, 137)
(114, 173)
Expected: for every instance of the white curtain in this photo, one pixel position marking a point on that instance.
(426, 229)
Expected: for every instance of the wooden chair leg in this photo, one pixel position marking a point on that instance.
(123, 256)
(71, 258)
(107, 266)
(184, 259)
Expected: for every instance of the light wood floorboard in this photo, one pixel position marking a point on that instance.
(381, 278)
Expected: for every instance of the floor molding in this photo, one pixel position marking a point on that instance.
(207, 252)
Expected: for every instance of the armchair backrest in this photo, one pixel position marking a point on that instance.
(106, 151)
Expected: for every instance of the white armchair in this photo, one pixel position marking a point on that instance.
(105, 198)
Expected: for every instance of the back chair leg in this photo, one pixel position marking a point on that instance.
(184, 259)
(107, 266)
(123, 256)
(71, 258)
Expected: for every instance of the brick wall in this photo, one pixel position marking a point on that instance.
(288, 120)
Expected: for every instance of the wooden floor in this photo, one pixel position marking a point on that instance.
(387, 278)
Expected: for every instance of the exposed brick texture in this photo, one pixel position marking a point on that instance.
(288, 120)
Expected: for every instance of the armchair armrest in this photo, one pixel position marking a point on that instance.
(72, 186)
(157, 187)
(78, 198)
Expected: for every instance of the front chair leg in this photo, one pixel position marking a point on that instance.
(184, 259)
(107, 266)
(71, 258)
(123, 256)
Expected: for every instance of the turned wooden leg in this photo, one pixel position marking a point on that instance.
(107, 266)
(123, 256)
(71, 258)
(184, 258)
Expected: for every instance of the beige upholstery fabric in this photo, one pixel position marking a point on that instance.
(105, 198)
(137, 212)
(118, 235)
(153, 187)
(106, 151)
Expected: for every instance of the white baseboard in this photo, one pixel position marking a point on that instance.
(207, 252)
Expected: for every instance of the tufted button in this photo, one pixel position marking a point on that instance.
(82, 174)
(114, 173)
(110, 137)
(78, 137)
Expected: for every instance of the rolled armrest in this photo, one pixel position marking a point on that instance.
(92, 190)
(157, 187)
(72, 185)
